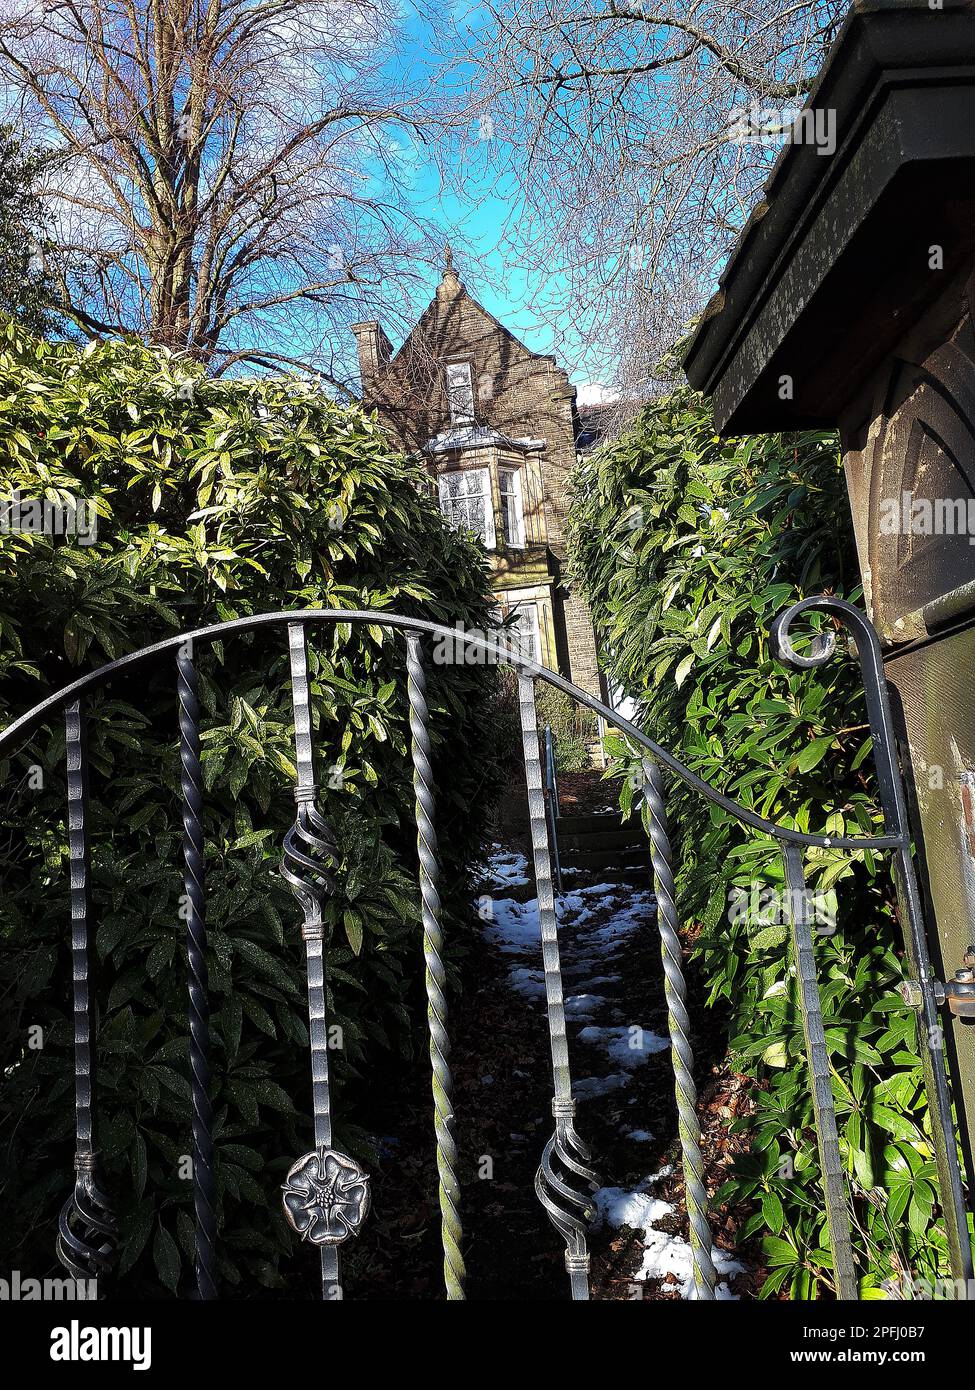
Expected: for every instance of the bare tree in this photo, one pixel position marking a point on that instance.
(227, 172)
(633, 137)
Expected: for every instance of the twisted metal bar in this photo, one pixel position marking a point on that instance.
(442, 1080)
(675, 990)
(194, 898)
(310, 858)
(570, 1212)
(86, 1226)
(824, 1109)
(552, 809)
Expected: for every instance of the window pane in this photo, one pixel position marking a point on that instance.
(524, 636)
(512, 519)
(460, 393)
(464, 501)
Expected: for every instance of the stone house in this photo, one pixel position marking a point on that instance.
(496, 425)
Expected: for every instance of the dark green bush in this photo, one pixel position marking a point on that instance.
(687, 548)
(571, 727)
(505, 721)
(215, 500)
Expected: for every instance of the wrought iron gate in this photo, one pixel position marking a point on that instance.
(326, 1196)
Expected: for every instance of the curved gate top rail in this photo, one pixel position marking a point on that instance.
(314, 617)
(326, 1196)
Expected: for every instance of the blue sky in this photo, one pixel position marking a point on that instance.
(476, 222)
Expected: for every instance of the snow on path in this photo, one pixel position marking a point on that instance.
(663, 1254)
(589, 945)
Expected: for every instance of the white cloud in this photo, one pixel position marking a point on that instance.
(595, 393)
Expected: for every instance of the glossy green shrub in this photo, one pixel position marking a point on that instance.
(215, 500)
(571, 726)
(687, 548)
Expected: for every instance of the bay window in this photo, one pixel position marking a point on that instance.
(465, 500)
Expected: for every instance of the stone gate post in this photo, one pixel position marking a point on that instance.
(848, 303)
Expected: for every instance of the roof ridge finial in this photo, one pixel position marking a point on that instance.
(448, 259)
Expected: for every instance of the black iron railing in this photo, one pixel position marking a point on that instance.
(327, 1196)
(552, 807)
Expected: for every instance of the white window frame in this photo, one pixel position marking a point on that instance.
(483, 475)
(517, 541)
(465, 386)
(531, 610)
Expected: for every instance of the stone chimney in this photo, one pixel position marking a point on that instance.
(375, 350)
(450, 285)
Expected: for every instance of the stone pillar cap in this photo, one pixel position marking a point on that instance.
(832, 267)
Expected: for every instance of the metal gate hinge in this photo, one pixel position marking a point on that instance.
(958, 993)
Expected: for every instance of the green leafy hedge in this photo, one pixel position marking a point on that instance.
(215, 500)
(687, 548)
(571, 727)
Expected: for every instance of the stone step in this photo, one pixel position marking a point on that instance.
(627, 838)
(590, 825)
(600, 859)
(637, 874)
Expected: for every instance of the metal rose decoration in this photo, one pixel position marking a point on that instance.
(326, 1197)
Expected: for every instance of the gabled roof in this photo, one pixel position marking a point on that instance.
(450, 292)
